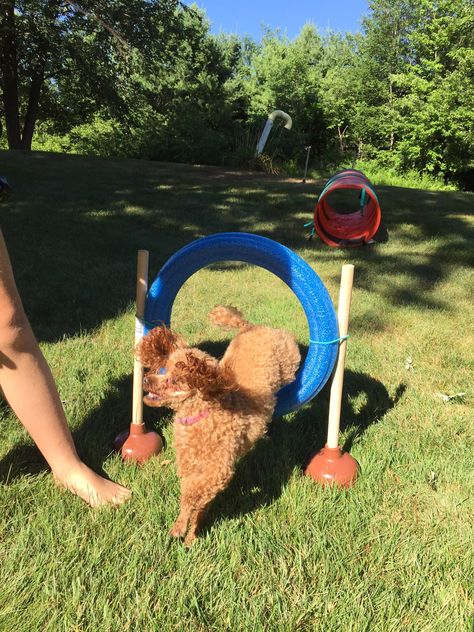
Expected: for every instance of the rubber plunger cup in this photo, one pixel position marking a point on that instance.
(331, 465)
(140, 444)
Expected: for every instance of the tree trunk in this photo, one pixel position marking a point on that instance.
(342, 134)
(9, 70)
(33, 106)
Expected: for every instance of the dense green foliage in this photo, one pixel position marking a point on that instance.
(147, 79)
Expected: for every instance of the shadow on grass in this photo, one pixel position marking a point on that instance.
(262, 475)
(73, 227)
(93, 439)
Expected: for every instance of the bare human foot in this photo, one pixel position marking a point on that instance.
(91, 487)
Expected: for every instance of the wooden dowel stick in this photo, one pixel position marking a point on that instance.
(345, 295)
(142, 287)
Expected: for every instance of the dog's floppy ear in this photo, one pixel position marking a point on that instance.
(203, 373)
(156, 346)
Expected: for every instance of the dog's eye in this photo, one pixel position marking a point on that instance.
(162, 371)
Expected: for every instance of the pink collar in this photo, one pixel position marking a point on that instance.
(188, 421)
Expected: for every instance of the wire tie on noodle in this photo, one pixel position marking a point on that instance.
(312, 233)
(150, 324)
(329, 342)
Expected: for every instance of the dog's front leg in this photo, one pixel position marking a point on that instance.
(193, 508)
(201, 495)
(180, 526)
(196, 518)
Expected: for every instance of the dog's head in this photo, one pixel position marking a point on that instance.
(155, 348)
(177, 372)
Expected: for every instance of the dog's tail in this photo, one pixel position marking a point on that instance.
(228, 318)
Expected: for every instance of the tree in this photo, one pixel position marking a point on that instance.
(437, 84)
(341, 89)
(383, 53)
(94, 47)
(417, 81)
(286, 75)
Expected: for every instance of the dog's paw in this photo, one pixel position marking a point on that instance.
(178, 529)
(189, 539)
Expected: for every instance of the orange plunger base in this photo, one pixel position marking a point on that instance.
(140, 444)
(331, 466)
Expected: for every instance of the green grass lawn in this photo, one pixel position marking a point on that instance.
(279, 553)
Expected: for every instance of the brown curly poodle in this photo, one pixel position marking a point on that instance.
(222, 407)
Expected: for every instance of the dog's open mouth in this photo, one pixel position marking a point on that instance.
(152, 397)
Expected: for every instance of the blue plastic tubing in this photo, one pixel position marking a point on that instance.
(285, 264)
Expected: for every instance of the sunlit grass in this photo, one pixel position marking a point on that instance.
(388, 176)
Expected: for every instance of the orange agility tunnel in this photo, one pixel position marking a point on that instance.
(348, 211)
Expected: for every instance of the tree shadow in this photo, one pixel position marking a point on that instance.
(74, 225)
(382, 234)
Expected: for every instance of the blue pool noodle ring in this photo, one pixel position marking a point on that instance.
(286, 265)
